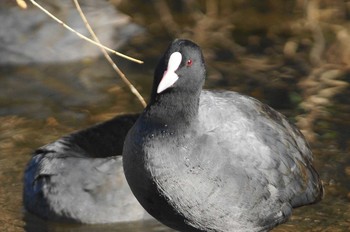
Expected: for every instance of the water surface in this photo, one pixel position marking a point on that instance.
(42, 102)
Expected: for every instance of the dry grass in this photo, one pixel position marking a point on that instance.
(95, 41)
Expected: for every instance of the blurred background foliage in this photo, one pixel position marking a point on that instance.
(292, 53)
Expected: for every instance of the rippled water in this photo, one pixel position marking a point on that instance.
(40, 103)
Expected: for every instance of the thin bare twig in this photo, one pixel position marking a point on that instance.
(82, 36)
(22, 4)
(109, 59)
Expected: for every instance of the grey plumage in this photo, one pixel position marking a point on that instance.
(80, 177)
(216, 161)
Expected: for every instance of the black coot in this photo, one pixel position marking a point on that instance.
(214, 161)
(80, 177)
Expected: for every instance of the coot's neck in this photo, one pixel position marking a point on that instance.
(177, 109)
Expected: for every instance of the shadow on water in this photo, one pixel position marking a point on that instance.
(34, 224)
(40, 103)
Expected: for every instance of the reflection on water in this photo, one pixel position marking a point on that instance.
(34, 224)
(39, 104)
(19, 136)
(44, 117)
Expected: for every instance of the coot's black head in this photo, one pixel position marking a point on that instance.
(181, 69)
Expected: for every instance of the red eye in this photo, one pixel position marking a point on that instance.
(189, 63)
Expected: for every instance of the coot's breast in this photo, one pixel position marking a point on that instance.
(214, 161)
